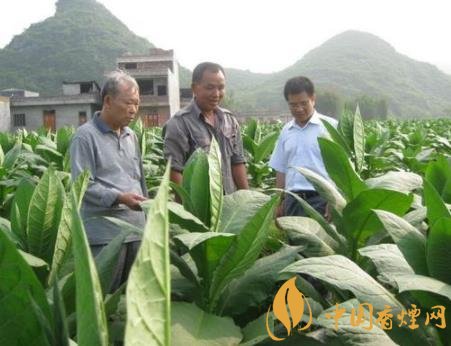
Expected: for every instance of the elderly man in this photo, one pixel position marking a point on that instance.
(195, 125)
(109, 150)
(298, 146)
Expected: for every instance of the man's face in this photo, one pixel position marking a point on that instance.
(123, 107)
(210, 90)
(301, 106)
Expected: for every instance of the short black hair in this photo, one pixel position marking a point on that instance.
(199, 70)
(297, 85)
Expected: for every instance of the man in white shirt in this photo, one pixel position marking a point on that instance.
(297, 146)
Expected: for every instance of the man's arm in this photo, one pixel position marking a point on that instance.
(280, 180)
(239, 175)
(239, 172)
(175, 147)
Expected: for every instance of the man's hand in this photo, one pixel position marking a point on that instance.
(279, 210)
(131, 200)
(328, 213)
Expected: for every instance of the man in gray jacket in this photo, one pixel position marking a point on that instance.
(109, 150)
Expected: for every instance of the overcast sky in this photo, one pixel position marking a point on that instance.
(265, 35)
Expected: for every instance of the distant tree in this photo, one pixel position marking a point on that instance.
(229, 101)
(328, 103)
(370, 108)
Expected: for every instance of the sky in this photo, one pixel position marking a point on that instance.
(265, 35)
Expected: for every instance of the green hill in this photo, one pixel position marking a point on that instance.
(83, 39)
(80, 42)
(354, 64)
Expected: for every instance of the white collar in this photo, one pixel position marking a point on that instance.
(314, 119)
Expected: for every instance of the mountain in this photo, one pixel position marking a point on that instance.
(354, 64)
(83, 39)
(80, 42)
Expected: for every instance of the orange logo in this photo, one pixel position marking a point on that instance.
(288, 308)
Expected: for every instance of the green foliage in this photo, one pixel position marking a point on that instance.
(82, 34)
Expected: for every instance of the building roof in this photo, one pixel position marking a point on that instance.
(56, 100)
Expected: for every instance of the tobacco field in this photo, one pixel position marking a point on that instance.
(209, 270)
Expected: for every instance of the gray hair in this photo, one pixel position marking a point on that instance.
(113, 80)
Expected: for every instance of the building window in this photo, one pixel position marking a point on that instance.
(82, 118)
(162, 90)
(19, 120)
(146, 87)
(131, 66)
(85, 88)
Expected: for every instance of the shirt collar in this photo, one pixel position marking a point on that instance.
(104, 127)
(196, 110)
(315, 119)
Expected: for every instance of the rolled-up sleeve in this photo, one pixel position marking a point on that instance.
(83, 158)
(175, 145)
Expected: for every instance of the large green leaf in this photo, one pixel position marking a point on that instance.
(398, 181)
(436, 208)
(257, 283)
(347, 334)
(346, 127)
(325, 188)
(216, 188)
(388, 260)
(337, 137)
(193, 326)
(196, 182)
(239, 207)
(52, 156)
(438, 250)
(252, 129)
(33, 261)
(149, 285)
(105, 263)
(330, 229)
(11, 157)
(178, 215)
(340, 169)
(243, 252)
(410, 241)
(2, 156)
(18, 287)
(207, 250)
(59, 314)
(438, 173)
(249, 144)
(44, 216)
(359, 221)
(415, 282)
(344, 274)
(359, 140)
(255, 331)
(19, 209)
(308, 233)
(63, 239)
(183, 267)
(265, 146)
(63, 138)
(91, 320)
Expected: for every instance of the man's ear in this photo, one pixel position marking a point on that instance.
(107, 101)
(313, 98)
